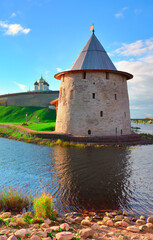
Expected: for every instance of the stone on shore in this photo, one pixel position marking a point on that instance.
(12, 238)
(21, 233)
(140, 222)
(150, 219)
(54, 228)
(86, 222)
(95, 226)
(64, 236)
(78, 219)
(45, 225)
(149, 225)
(4, 231)
(48, 221)
(133, 229)
(86, 232)
(35, 237)
(119, 218)
(3, 237)
(65, 226)
(143, 227)
(142, 217)
(110, 223)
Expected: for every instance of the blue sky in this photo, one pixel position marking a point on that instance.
(46, 36)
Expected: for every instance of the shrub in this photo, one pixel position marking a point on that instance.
(13, 200)
(43, 207)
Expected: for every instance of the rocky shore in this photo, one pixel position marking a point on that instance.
(76, 226)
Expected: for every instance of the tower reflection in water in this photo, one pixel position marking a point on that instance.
(92, 178)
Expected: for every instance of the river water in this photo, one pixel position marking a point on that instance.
(82, 178)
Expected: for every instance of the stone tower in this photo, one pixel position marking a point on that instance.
(93, 99)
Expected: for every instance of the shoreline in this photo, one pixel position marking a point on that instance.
(76, 226)
(51, 138)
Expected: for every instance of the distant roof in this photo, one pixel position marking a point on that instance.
(45, 83)
(41, 80)
(93, 56)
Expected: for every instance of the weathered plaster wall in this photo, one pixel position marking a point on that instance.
(105, 115)
(38, 99)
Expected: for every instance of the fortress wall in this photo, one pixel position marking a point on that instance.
(104, 114)
(27, 99)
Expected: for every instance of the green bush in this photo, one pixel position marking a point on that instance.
(43, 207)
(13, 200)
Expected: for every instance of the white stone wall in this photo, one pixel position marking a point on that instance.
(107, 114)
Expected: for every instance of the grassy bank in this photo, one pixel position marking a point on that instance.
(37, 118)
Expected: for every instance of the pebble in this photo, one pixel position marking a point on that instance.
(110, 223)
(119, 217)
(150, 219)
(78, 219)
(46, 238)
(86, 222)
(133, 229)
(95, 226)
(65, 226)
(21, 232)
(48, 221)
(12, 238)
(54, 228)
(64, 236)
(35, 237)
(4, 231)
(45, 225)
(142, 227)
(3, 237)
(149, 225)
(140, 222)
(142, 217)
(86, 232)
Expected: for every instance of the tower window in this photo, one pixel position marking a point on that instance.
(84, 75)
(71, 94)
(101, 113)
(89, 132)
(93, 95)
(93, 83)
(121, 132)
(125, 114)
(115, 96)
(63, 78)
(107, 75)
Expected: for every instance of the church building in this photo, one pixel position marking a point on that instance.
(41, 85)
(93, 98)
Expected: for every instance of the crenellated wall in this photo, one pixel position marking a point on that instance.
(25, 99)
(95, 106)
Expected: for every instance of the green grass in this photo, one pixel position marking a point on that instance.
(43, 206)
(17, 115)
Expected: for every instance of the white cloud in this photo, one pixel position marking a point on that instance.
(140, 64)
(136, 48)
(13, 15)
(21, 86)
(13, 29)
(120, 13)
(59, 69)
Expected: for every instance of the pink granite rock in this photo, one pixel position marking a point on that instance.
(64, 236)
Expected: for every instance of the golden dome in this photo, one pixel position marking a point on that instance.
(41, 80)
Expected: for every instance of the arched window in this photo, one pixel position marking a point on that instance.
(89, 132)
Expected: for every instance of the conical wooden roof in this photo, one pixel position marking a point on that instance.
(93, 56)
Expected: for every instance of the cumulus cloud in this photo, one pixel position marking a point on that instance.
(135, 49)
(59, 69)
(13, 29)
(21, 86)
(120, 14)
(141, 66)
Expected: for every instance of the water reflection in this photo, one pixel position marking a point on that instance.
(92, 178)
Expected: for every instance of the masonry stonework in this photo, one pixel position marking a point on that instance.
(94, 106)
